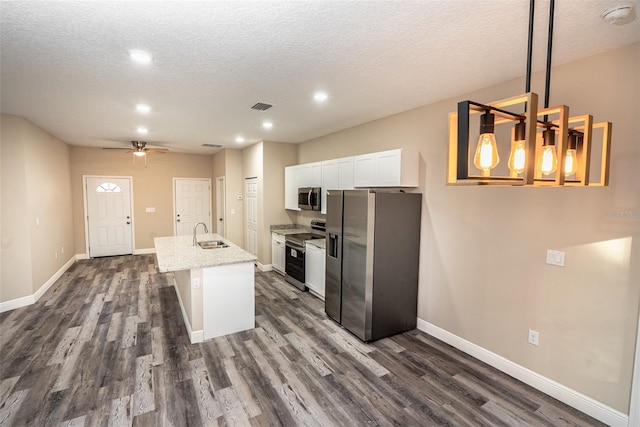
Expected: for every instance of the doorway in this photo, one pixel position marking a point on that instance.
(251, 207)
(191, 204)
(221, 225)
(108, 215)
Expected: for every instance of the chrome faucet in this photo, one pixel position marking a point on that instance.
(195, 241)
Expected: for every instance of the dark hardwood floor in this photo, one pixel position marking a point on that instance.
(106, 345)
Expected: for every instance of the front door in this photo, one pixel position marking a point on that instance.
(109, 219)
(192, 204)
(251, 207)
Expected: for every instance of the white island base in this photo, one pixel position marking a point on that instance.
(228, 299)
(215, 287)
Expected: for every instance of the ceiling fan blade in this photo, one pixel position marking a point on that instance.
(157, 150)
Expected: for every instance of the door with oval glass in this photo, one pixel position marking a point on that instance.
(108, 213)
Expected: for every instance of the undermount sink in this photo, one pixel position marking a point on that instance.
(212, 244)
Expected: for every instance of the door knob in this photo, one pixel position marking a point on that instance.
(128, 222)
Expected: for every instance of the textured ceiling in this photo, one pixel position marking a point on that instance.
(64, 65)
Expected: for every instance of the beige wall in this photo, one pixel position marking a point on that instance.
(152, 187)
(266, 161)
(483, 275)
(37, 231)
(228, 163)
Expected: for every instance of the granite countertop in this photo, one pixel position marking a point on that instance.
(177, 253)
(288, 229)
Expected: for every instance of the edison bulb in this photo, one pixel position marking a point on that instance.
(548, 160)
(517, 156)
(571, 162)
(486, 157)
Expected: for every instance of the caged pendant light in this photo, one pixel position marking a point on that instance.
(548, 147)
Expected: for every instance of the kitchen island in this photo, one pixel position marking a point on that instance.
(215, 287)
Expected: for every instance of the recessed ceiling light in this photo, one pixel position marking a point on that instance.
(143, 108)
(320, 96)
(267, 125)
(239, 139)
(140, 56)
(142, 130)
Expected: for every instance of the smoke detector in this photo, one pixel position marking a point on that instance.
(618, 14)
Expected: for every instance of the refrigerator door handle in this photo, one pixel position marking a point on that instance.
(333, 245)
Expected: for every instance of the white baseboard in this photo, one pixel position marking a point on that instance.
(194, 336)
(144, 251)
(264, 267)
(554, 389)
(17, 303)
(31, 299)
(44, 288)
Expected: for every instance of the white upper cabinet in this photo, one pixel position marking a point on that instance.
(310, 175)
(393, 168)
(291, 178)
(298, 176)
(337, 174)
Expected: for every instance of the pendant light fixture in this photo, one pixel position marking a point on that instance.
(544, 152)
(486, 157)
(518, 151)
(548, 159)
(571, 158)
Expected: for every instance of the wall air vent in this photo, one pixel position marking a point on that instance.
(261, 106)
(212, 145)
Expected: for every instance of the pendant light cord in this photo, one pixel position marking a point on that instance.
(532, 4)
(549, 46)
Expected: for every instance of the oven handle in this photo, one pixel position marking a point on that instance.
(294, 246)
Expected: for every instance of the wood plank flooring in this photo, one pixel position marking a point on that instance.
(106, 345)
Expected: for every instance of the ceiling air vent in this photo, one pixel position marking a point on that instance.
(261, 106)
(212, 145)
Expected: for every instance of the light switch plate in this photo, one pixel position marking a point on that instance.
(150, 210)
(555, 258)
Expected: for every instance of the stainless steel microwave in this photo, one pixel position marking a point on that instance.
(309, 198)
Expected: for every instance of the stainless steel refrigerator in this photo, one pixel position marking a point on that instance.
(373, 255)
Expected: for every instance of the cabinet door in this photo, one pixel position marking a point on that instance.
(314, 269)
(389, 168)
(330, 181)
(345, 173)
(364, 170)
(316, 174)
(277, 252)
(291, 178)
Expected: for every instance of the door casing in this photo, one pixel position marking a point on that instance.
(86, 209)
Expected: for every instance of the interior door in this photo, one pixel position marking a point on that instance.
(109, 219)
(192, 204)
(251, 207)
(221, 227)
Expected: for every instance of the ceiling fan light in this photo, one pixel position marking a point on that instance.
(139, 153)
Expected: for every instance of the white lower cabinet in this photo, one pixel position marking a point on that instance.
(277, 252)
(315, 269)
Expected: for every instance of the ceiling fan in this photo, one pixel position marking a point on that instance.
(140, 149)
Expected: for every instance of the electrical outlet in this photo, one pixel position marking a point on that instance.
(196, 282)
(555, 258)
(534, 337)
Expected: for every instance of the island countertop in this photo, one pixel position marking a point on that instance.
(176, 253)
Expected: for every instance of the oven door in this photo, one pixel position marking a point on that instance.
(294, 265)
